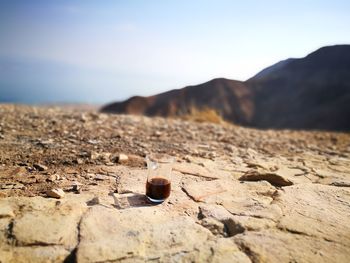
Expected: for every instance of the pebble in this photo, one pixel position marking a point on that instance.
(122, 157)
(55, 193)
(76, 186)
(12, 186)
(93, 142)
(80, 161)
(40, 167)
(93, 201)
(100, 177)
(53, 177)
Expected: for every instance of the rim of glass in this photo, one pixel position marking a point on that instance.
(160, 158)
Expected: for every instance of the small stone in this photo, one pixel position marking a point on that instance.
(93, 142)
(89, 176)
(157, 133)
(105, 157)
(12, 186)
(76, 186)
(55, 193)
(122, 157)
(45, 143)
(100, 177)
(212, 155)
(53, 177)
(273, 178)
(230, 148)
(40, 167)
(94, 155)
(83, 117)
(80, 161)
(93, 201)
(187, 158)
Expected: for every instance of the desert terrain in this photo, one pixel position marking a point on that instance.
(72, 187)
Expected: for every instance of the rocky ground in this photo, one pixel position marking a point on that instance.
(72, 189)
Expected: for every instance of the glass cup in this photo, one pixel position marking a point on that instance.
(158, 185)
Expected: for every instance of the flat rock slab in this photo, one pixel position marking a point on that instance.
(47, 222)
(40, 229)
(34, 254)
(195, 170)
(277, 246)
(154, 234)
(198, 191)
(248, 199)
(316, 210)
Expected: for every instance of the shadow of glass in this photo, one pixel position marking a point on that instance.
(129, 200)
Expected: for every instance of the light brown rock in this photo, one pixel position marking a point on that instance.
(251, 223)
(198, 191)
(248, 199)
(40, 167)
(195, 170)
(214, 211)
(225, 251)
(272, 177)
(46, 222)
(122, 157)
(35, 254)
(152, 234)
(316, 210)
(55, 193)
(278, 246)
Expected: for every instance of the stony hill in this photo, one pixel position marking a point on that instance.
(307, 93)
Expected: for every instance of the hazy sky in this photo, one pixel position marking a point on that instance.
(101, 51)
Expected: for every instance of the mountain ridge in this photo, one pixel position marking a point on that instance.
(312, 92)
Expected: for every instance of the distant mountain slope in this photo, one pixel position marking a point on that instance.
(231, 98)
(307, 93)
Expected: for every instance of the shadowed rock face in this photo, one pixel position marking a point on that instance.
(308, 93)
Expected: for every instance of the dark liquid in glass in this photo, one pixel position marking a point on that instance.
(158, 188)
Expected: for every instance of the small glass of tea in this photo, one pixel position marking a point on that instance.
(158, 185)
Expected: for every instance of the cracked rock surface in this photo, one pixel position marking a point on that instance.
(238, 194)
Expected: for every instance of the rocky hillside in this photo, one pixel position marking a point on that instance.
(229, 97)
(72, 189)
(307, 93)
